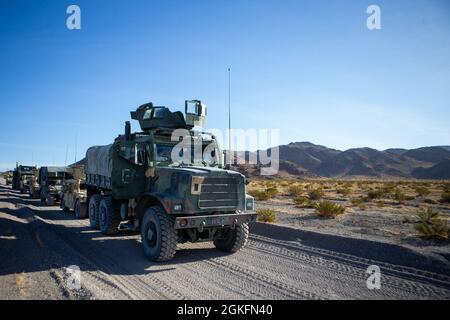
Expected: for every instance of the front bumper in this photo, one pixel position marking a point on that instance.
(211, 221)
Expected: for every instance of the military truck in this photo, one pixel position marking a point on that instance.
(33, 185)
(8, 177)
(137, 183)
(20, 177)
(51, 180)
(74, 192)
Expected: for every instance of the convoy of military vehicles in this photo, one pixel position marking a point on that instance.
(167, 181)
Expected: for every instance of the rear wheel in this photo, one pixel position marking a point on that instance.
(158, 234)
(63, 205)
(94, 203)
(232, 240)
(80, 210)
(49, 201)
(109, 218)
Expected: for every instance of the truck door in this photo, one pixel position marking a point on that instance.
(128, 173)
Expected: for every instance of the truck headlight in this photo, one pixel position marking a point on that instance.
(249, 203)
(196, 185)
(177, 207)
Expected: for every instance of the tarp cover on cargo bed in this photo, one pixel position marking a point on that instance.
(98, 161)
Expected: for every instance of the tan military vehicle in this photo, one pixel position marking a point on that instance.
(33, 186)
(74, 193)
(8, 178)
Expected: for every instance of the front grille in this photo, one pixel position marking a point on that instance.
(218, 192)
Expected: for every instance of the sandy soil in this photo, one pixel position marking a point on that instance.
(38, 244)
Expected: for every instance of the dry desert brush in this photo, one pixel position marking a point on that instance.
(329, 209)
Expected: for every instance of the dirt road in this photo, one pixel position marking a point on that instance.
(38, 243)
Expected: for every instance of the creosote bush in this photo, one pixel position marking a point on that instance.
(422, 191)
(445, 197)
(295, 190)
(266, 215)
(316, 194)
(430, 225)
(303, 202)
(400, 196)
(329, 209)
(263, 195)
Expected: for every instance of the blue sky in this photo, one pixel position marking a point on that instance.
(309, 68)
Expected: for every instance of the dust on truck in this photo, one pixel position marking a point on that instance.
(135, 184)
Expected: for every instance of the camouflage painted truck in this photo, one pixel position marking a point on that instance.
(74, 192)
(136, 184)
(51, 180)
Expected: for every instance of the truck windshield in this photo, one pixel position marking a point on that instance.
(207, 155)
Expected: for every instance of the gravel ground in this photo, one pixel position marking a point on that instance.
(38, 243)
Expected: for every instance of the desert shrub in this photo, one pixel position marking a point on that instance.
(422, 191)
(430, 225)
(303, 202)
(266, 215)
(429, 201)
(375, 194)
(316, 194)
(380, 204)
(329, 209)
(400, 196)
(445, 197)
(345, 191)
(446, 187)
(272, 191)
(359, 202)
(295, 190)
(260, 195)
(388, 188)
(263, 195)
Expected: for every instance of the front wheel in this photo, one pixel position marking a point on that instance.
(232, 240)
(80, 210)
(158, 234)
(64, 207)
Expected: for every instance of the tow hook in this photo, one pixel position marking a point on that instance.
(201, 226)
(234, 223)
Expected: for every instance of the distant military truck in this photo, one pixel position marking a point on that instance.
(135, 183)
(8, 178)
(51, 180)
(74, 193)
(33, 185)
(20, 177)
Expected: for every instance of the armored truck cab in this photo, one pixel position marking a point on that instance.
(169, 182)
(51, 180)
(20, 177)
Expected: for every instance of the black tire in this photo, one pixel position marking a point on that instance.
(94, 203)
(63, 205)
(109, 218)
(50, 201)
(80, 210)
(233, 240)
(158, 235)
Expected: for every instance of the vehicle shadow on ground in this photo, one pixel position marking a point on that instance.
(29, 244)
(363, 252)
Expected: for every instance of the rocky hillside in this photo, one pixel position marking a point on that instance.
(309, 160)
